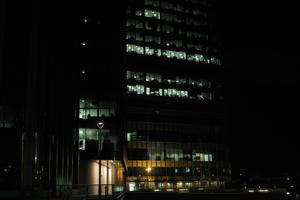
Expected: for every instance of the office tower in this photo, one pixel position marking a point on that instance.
(136, 86)
(175, 122)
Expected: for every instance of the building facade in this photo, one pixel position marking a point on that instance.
(175, 121)
(139, 94)
(98, 116)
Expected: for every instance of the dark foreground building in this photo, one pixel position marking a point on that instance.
(140, 92)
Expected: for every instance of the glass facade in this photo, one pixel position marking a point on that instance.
(183, 152)
(89, 108)
(165, 86)
(88, 138)
(165, 154)
(172, 29)
(169, 149)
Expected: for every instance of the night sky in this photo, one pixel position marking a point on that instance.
(261, 48)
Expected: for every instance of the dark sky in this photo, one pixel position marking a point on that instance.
(261, 56)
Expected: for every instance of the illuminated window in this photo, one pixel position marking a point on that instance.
(134, 36)
(152, 14)
(139, 76)
(135, 89)
(88, 137)
(147, 91)
(174, 43)
(201, 157)
(215, 61)
(152, 39)
(153, 77)
(173, 80)
(154, 91)
(131, 136)
(204, 96)
(206, 59)
(169, 80)
(187, 170)
(206, 157)
(134, 49)
(170, 154)
(152, 51)
(87, 109)
(195, 57)
(138, 13)
(174, 54)
(88, 134)
(200, 83)
(176, 170)
(180, 81)
(172, 92)
(210, 159)
(196, 156)
(107, 108)
(87, 112)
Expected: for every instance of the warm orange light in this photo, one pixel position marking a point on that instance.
(148, 169)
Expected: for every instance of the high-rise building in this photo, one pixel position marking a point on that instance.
(135, 88)
(175, 121)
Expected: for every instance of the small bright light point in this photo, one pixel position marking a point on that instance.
(85, 19)
(288, 193)
(100, 125)
(148, 169)
(83, 43)
(83, 71)
(251, 191)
